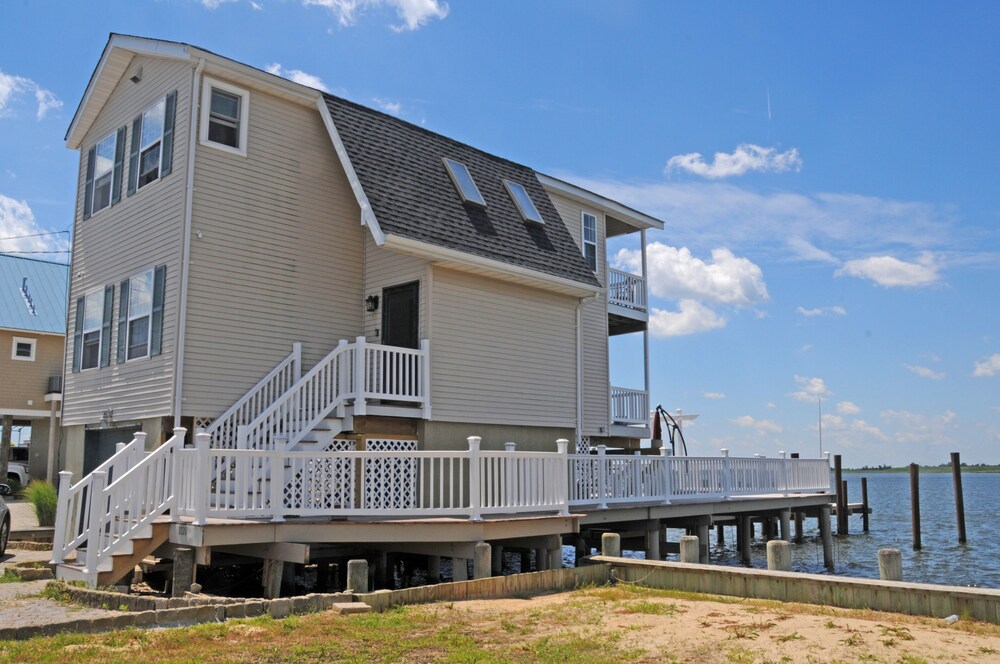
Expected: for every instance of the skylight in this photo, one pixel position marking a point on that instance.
(464, 183)
(524, 202)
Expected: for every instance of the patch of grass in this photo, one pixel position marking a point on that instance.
(897, 632)
(9, 576)
(646, 607)
(911, 659)
(743, 631)
(853, 640)
(986, 650)
(785, 638)
(43, 499)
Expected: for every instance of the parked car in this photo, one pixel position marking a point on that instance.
(4, 519)
(18, 472)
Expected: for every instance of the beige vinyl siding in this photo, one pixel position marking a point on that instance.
(501, 353)
(140, 232)
(276, 255)
(385, 268)
(24, 380)
(594, 322)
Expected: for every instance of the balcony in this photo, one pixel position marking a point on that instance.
(627, 307)
(629, 407)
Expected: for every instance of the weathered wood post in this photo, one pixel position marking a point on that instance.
(864, 504)
(797, 515)
(653, 540)
(890, 565)
(745, 536)
(956, 476)
(779, 555)
(846, 504)
(690, 549)
(720, 535)
(785, 517)
(459, 569)
(826, 535)
(182, 575)
(915, 504)
(611, 545)
(838, 487)
(703, 529)
(434, 569)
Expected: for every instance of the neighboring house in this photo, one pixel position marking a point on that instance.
(32, 339)
(225, 215)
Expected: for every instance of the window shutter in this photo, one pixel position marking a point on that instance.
(156, 320)
(109, 303)
(168, 134)
(133, 157)
(88, 192)
(78, 335)
(116, 177)
(122, 321)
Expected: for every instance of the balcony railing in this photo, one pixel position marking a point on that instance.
(629, 406)
(626, 290)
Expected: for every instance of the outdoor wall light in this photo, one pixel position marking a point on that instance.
(371, 303)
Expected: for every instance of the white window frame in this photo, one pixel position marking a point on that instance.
(151, 273)
(206, 110)
(139, 184)
(583, 237)
(93, 185)
(98, 295)
(23, 340)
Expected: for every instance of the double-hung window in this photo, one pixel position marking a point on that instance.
(104, 167)
(93, 310)
(590, 240)
(224, 117)
(151, 143)
(140, 309)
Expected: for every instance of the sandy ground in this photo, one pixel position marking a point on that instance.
(684, 630)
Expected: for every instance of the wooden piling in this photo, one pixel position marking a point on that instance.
(745, 535)
(864, 504)
(720, 535)
(826, 536)
(956, 475)
(838, 487)
(915, 504)
(847, 509)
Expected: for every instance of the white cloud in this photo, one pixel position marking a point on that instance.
(714, 395)
(920, 428)
(215, 4)
(693, 317)
(13, 87)
(889, 271)
(850, 433)
(989, 366)
(414, 14)
(744, 159)
(848, 408)
(16, 221)
(297, 75)
(771, 404)
(822, 311)
(676, 273)
(760, 426)
(390, 107)
(810, 389)
(925, 372)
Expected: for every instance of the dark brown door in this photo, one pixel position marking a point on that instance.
(400, 315)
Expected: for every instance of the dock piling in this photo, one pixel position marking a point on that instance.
(956, 475)
(838, 478)
(845, 501)
(745, 535)
(826, 536)
(864, 504)
(915, 504)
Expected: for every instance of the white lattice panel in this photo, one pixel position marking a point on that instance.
(201, 423)
(390, 483)
(323, 483)
(583, 445)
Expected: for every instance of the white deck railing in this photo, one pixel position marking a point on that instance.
(626, 289)
(224, 429)
(629, 406)
(350, 372)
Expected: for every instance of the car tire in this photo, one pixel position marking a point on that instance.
(4, 535)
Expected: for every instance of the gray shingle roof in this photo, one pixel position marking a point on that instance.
(41, 306)
(401, 169)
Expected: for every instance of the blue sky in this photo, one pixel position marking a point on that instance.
(827, 174)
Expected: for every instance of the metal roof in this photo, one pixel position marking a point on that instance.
(33, 294)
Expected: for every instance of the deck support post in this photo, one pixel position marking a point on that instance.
(288, 579)
(541, 559)
(786, 517)
(434, 569)
(183, 572)
(690, 549)
(380, 571)
(582, 549)
(482, 563)
(459, 569)
(653, 540)
(525, 565)
(745, 537)
(357, 575)
(274, 570)
(703, 530)
(826, 535)
(720, 535)
(555, 557)
(496, 564)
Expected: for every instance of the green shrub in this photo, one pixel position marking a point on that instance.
(43, 498)
(16, 488)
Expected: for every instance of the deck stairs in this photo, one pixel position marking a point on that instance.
(119, 564)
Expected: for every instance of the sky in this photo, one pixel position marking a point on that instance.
(827, 174)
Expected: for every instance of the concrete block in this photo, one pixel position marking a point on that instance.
(279, 608)
(303, 604)
(253, 609)
(144, 618)
(205, 613)
(349, 608)
(235, 611)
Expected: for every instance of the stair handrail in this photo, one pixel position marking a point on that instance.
(307, 402)
(132, 501)
(225, 428)
(71, 530)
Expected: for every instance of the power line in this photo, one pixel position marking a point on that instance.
(61, 251)
(21, 237)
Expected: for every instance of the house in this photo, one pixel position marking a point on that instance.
(32, 331)
(225, 214)
(302, 329)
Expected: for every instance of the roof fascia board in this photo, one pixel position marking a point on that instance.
(216, 65)
(134, 45)
(626, 214)
(540, 279)
(22, 330)
(367, 214)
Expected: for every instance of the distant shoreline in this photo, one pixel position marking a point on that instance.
(945, 468)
